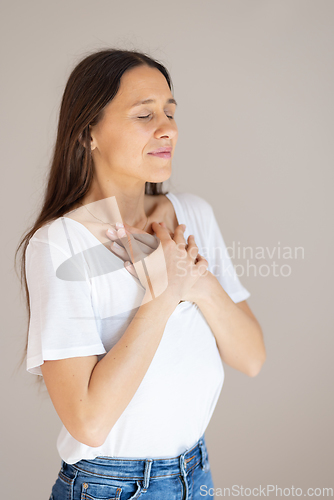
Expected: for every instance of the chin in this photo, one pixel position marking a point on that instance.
(160, 176)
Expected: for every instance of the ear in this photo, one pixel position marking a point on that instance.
(92, 141)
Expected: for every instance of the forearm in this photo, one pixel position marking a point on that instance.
(239, 338)
(117, 376)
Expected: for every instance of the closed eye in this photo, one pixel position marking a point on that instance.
(147, 116)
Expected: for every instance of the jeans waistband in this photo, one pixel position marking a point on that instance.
(146, 468)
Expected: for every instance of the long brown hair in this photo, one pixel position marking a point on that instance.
(92, 84)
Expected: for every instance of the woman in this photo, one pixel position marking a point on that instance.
(131, 355)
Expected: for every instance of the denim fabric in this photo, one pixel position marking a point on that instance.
(104, 478)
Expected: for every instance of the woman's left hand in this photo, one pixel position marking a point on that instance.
(201, 287)
(193, 295)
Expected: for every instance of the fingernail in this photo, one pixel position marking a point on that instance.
(112, 232)
(116, 245)
(119, 225)
(121, 233)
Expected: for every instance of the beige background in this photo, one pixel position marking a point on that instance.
(254, 83)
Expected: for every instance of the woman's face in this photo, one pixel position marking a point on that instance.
(123, 139)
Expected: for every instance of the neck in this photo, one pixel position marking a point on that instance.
(118, 206)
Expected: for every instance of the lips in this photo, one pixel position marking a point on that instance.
(160, 150)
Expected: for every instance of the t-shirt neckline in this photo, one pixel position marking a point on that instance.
(135, 280)
(171, 196)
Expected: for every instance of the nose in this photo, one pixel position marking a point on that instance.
(166, 127)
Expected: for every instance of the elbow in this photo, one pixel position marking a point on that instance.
(89, 434)
(255, 368)
(91, 439)
(258, 360)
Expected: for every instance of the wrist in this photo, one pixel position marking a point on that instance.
(205, 286)
(166, 299)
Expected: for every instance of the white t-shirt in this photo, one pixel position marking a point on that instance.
(80, 313)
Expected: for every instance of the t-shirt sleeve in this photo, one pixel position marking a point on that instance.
(62, 320)
(220, 263)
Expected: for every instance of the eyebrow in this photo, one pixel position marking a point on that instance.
(146, 101)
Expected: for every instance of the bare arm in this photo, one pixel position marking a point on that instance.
(90, 396)
(238, 334)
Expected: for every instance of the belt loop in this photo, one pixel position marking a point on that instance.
(147, 472)
(184, 475)
(203, 453)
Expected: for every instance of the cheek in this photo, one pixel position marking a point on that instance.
(138, 139)
(115, 141)
(130, 141)
(108, 136)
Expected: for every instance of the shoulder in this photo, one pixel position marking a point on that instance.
(56, 250)
(54, 235)
(193, 202)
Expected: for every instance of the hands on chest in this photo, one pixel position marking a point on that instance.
(179, 268)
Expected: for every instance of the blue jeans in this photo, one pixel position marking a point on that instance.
(185, 477)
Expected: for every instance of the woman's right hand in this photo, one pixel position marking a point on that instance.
(182, 266)
(171, 268)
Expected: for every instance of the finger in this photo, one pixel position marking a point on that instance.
(192, 248)
(202, 265)
(112, 235)
(129, 267)
(198, 257)
(135, 255)
(130, 244)
(161, 232)
(171, 234)
(142, 237)
(119, 251)
(147, 242)
(179, 236)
